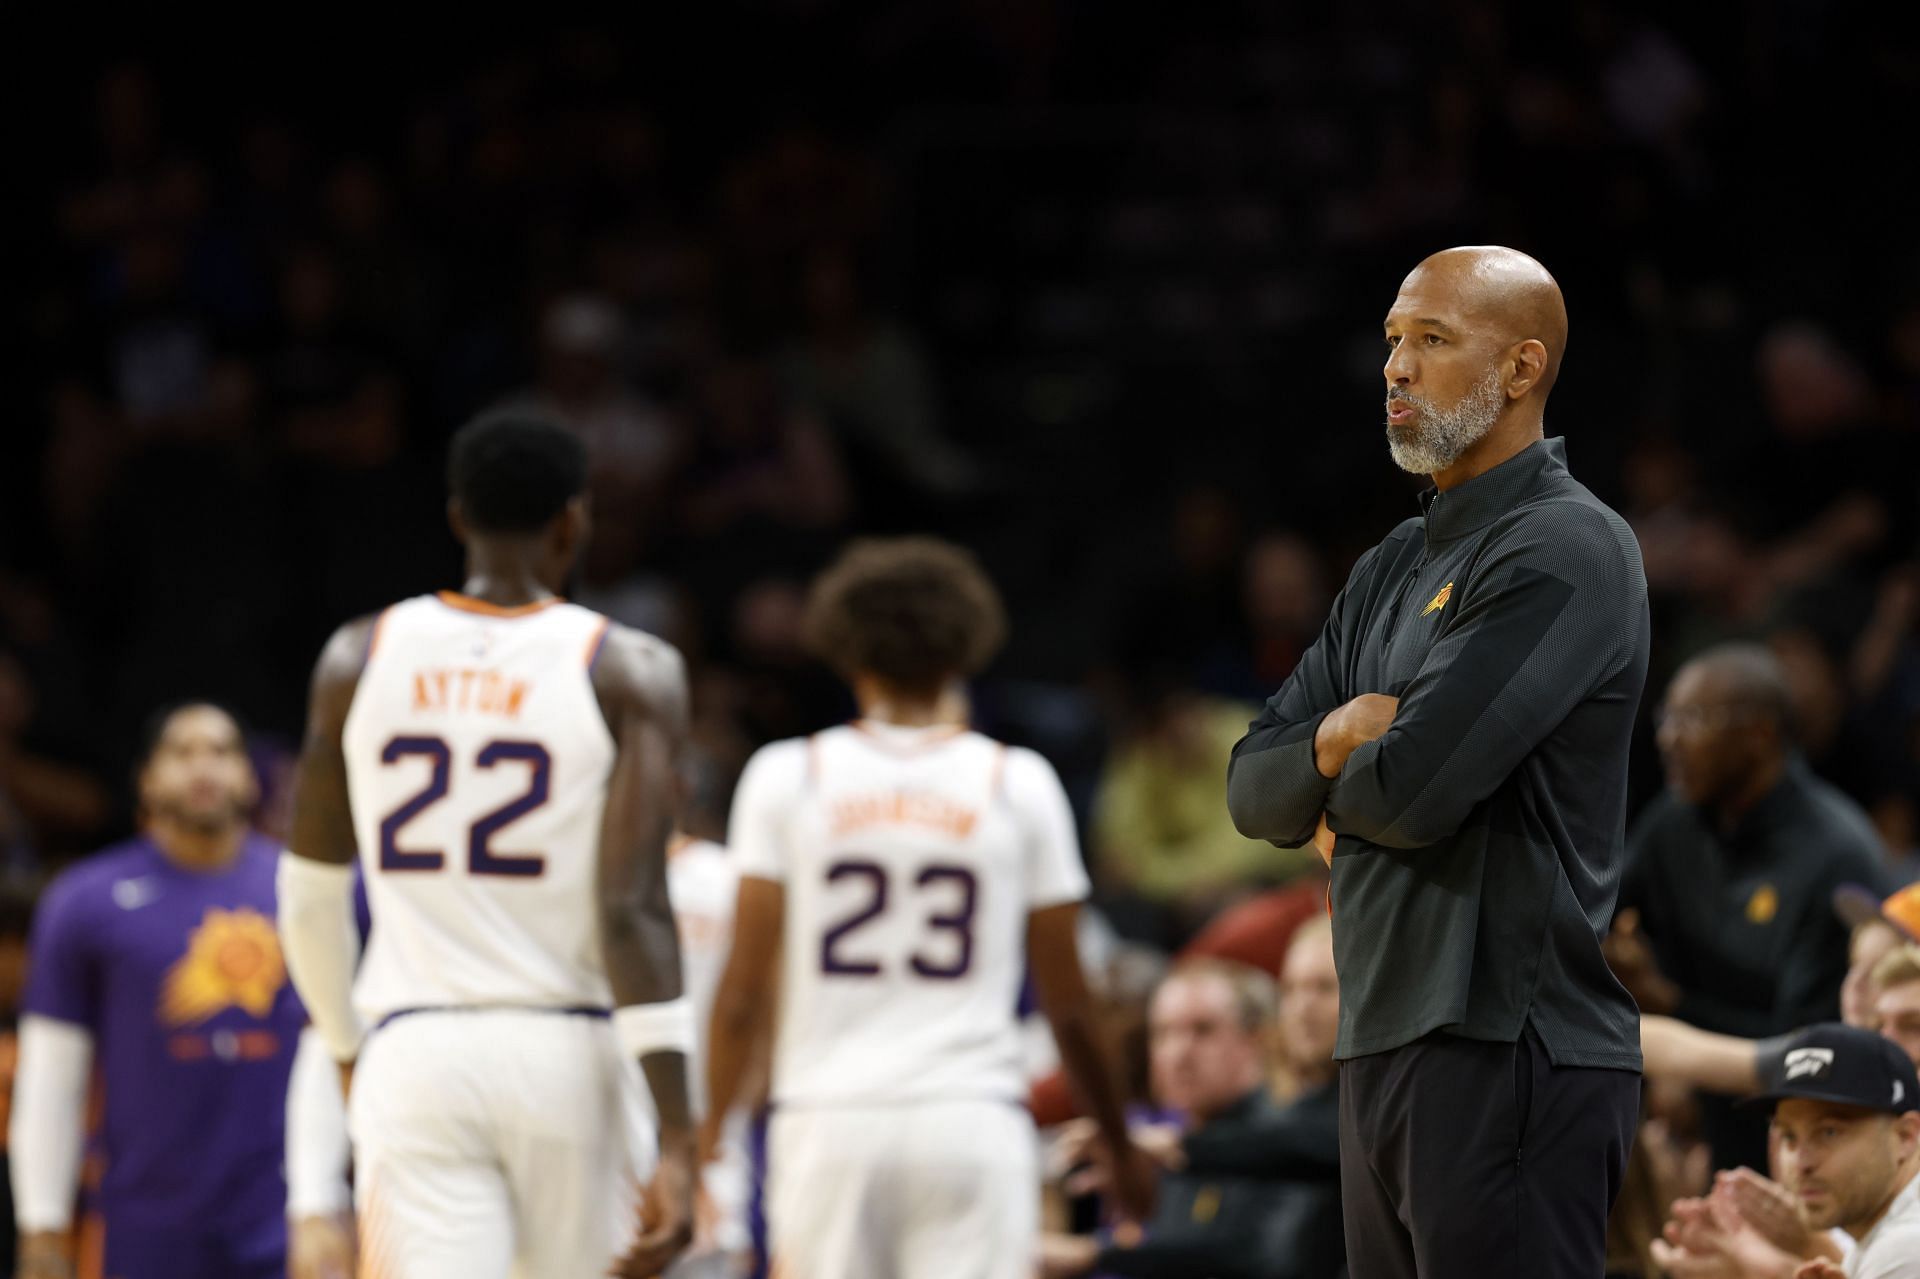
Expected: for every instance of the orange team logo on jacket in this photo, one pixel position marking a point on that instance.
(1439, 601)
(232, 961)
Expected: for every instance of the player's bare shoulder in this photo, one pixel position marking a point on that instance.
(336, 675)
(635, 672)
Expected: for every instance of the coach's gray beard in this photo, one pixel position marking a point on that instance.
(1440, 436)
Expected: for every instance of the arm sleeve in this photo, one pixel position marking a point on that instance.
(318, 1152)
(1555, 610)
(1055, 873)
(1300, 1143)
(45, 1136)
(1275, 791)
(762, 803)
(321, 941)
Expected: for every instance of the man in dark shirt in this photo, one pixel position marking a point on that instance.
(1255, 1191)
(1726, 917)
(1461, 727)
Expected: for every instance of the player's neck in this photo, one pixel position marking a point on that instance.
(507, 579)
(197, 850)
(880, 704)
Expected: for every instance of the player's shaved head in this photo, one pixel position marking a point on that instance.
(1503, 292)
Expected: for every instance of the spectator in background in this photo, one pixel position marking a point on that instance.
(760, 463)
(336, 420)
(1283, 599)
(40, 798)
(1253, 1187)
(869, 382)
(1725, 917)
(158, 959)
(1846, 1140)
(633, 445)
(1164, 842)
(1755, 1211)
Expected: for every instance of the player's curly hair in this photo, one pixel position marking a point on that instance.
(913, 611)
(514, 471)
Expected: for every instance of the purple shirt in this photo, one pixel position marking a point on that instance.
(178, 976)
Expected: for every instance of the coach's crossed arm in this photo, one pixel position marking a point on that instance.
(1545, 623)
(1275, 789)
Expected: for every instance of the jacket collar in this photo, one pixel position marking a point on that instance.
(1469, 507)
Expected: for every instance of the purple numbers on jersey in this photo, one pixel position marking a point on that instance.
(963, 894)
(481, 859)
(392, 856)
(958, 921)
(876, 881)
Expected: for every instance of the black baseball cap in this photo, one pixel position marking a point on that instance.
(1841, 1064)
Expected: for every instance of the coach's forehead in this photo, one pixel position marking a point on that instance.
(1489, 287)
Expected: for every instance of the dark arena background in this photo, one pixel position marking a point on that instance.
(1092, 290)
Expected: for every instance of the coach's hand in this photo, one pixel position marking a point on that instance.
(1348, 728)
(1323, 841)
(666, 1217)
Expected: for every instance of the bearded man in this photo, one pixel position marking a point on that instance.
(1456, 742)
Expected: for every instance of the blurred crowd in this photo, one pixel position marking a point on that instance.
(1095, 297)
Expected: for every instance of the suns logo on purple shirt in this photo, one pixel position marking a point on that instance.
(232, 961)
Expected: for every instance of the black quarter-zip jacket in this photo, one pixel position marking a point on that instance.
(1479, 841)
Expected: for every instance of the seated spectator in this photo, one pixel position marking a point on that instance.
(868, 381)
(1252, 1187)
(1724, 912)
(1846, 1143)
(1164, 842)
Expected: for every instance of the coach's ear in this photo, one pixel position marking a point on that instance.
(1529, 362)
(457, 520)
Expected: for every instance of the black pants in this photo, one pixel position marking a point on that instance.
(1465, 1158)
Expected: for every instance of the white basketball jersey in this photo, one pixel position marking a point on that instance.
(477, 763)
(911, 860)
(702, 885)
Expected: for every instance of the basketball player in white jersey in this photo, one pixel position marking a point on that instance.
(503, 762)
(896, 874)
(703, 884)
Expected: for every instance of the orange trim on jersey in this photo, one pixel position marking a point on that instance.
(999, 770)
(680, 843)
(468, 604)
(932, 741)
(594, 642)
